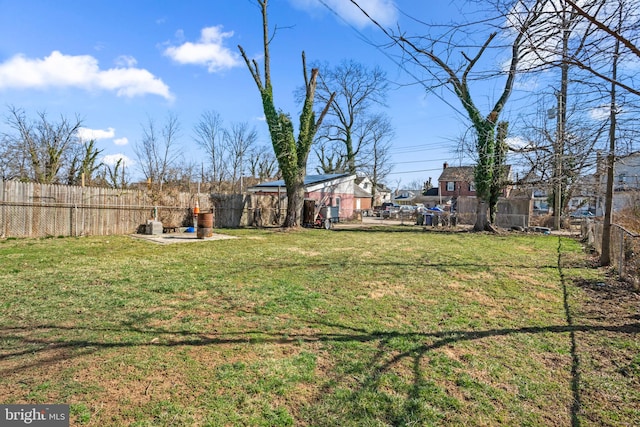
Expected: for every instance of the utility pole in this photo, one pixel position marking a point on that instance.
(562, 118)
(557, 182)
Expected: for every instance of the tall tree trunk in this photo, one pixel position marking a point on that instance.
(351, 157)
(483, 173)
(482, 219)
(499, 161)
(291, 154)
(295, 201)
(605, 253)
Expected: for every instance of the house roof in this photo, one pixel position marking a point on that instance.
(464, 173)
(457, 173)
(360, 192)
(308, 180)
(379, 186)
(359, 179)
(632, 159)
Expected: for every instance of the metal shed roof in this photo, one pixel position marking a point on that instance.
(308, 180)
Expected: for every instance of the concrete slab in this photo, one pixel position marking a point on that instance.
(171, 238)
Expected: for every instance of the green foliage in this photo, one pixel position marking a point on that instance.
(291, 155)
(499, 169)
(85, 163)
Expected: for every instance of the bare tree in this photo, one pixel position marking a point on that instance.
(209, 134)
(377, 159)
(595, 38)
(617, 21)
(240, 139)
(12, 160)
(292, 154)
(181, 175)
(45, 145)
(581, 138)
(262, 163)
(605, 255)
(445, 71)
(607, 48)
(157, 151)
(330, 158)
(357, 90)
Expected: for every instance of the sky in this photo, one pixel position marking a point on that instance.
(119, 63)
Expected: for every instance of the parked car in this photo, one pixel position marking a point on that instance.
(407, 211)
(581, 214)
(378, 210)
(391, 211)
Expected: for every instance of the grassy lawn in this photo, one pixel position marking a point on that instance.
(392, 326)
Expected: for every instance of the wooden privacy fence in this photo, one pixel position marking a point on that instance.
(40, 210)
(248, 210)
(625, 248)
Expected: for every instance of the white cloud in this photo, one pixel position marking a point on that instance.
(383, 11)
(209, 51)
(132, 82)
(87, 134)
(81, 71)
(601, 113)
(126, 61)
(517, 142)
(112, 159)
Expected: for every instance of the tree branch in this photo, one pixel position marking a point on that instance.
(253, 68)
(627, 43)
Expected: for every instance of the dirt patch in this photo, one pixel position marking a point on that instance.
(608, 324)
(611, 302)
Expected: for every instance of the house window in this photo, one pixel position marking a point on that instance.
(472, 186)
(451, 186)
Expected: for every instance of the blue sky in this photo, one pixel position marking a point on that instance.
(118, 63)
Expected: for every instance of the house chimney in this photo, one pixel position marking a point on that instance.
(445, 165)
(600, 163)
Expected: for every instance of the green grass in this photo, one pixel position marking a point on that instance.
(392, 326)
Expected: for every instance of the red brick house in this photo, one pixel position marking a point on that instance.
(458, 181)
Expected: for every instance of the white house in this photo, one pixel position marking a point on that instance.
(626, 182)
(382, 193)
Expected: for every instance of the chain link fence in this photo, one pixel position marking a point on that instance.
(625, 248)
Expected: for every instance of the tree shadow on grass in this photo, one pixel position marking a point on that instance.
(460, 266)
(409, 228)
(24, 347)
(50, 351)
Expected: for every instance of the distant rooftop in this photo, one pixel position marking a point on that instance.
(308, 180)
